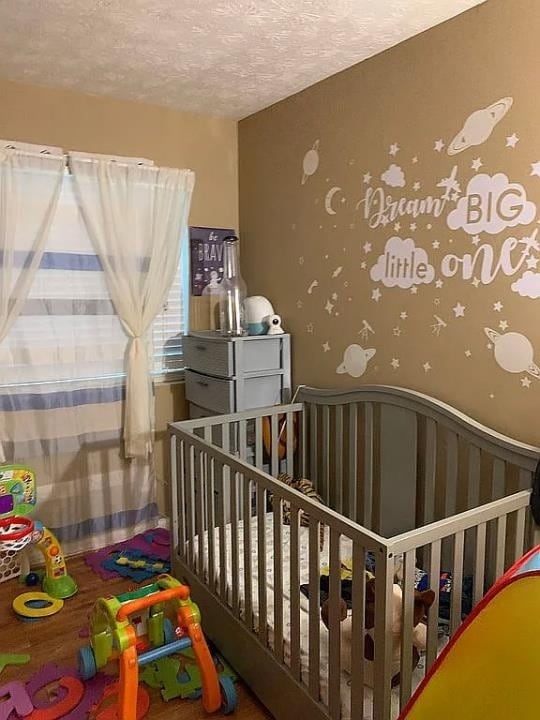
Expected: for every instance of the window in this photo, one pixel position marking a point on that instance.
(68, 331)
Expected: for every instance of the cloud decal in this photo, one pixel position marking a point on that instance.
(528, 285)
(491, 204)
(402, 265)
(394, 176)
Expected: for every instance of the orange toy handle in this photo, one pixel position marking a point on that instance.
(211, 693)
(128, 684)
(181, 593)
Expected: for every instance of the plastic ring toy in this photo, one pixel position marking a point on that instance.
(36, 605)
(228, 694)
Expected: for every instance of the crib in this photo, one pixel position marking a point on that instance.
(409, 483)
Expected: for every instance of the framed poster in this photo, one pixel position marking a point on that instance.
(206, 255)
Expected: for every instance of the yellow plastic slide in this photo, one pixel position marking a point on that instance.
(490, 669)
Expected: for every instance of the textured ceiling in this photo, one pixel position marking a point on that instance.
(223, 57)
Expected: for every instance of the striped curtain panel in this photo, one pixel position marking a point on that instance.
(62, 392)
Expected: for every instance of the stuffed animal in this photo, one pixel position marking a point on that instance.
(422, 603)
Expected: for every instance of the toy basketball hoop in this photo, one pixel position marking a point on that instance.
(15, 533)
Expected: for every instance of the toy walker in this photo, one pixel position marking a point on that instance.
(18, 497)
(135, 629)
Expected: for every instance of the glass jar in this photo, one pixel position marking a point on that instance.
(233, 290)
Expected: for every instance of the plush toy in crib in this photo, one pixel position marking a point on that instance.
(422, 603)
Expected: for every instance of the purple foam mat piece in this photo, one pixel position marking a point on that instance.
(152, 542)
(49, 673)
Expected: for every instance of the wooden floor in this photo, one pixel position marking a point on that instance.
(57, 640)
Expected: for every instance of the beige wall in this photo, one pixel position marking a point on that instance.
(311, 172)
(205, 144)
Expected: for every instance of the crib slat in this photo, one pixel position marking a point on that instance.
(190, 503)
(211, 524)
(199, 513)
(178, 479)
(433, 614)
(235, 581)
(358, 626)
(278, 578)
(473, 499)
(430, 465)
(258, 443)
(384, 579)
(451, 473)
(242, 438)
(275, 445)
(248, 570)
(261, 564)
(289, 430)
(313, 447)
(325, 480)
(405, 685)
(175, 510)
(520, 533)
(337, 480)
(479, 563)
(353, 461)
(303, 442)
(222, 537)
(295, 594)
(334, 632)
(314, 610)
(457, 582)
(501, 546)
(369, 439)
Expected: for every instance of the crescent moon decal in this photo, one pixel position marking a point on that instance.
(328, 200)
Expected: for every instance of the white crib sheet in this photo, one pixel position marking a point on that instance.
(346, 552)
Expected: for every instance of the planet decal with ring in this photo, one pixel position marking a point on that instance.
(355, 360)
(311, 161)
(478, 127)
(513, 352)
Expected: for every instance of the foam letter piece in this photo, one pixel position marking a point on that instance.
(18, 700)
(94, 691)
(75, 691)
(48, 674)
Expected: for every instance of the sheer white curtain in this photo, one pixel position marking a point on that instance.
(136, 216)
(29, 190)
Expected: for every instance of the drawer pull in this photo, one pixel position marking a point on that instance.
(202, 383)
(201, 348)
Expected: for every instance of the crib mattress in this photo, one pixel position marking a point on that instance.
(346, 551)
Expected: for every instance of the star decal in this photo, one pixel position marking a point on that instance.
(435, 244)
(395, 363)
(397, 331)
(512, 140)
(498, 306)
(334, 296)
(403, 315)
(426, 366)
(329, 307)
(439, 283)
(535, 168)
(366, 247)
(363, 265)
(503, 325)
(412, 226)
(367, 178)
(326, 346)
(459, 310)
(476, 282)
(310, 327)
(394, 149)
(415, 160)
(416, 186)
(299, 304)
(376, 294)
(468, 353)
(475, 239)
(301, 260)
(525, 382)
(438, 146)
(397, 227)
(532, 262)
(414, 290)
(384, 221)
(476, 164)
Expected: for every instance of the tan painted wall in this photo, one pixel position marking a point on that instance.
(449, 337)
(205, 144)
